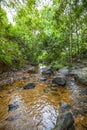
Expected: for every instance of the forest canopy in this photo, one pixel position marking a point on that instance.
(49, 31)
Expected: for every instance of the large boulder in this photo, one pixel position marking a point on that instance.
(64, 71)
(29, 86)
(59, 80)
(65, 121)
(80, 75)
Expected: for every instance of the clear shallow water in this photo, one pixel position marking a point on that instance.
(37, 110)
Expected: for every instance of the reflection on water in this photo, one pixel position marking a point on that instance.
(49, 116)
(37, 110)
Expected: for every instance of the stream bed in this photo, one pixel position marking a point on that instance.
(38, 108)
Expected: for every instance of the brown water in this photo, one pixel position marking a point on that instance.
(38, 110)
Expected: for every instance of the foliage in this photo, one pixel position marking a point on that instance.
(56, 34)
(9, 52)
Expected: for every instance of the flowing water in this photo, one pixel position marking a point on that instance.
(39, 107)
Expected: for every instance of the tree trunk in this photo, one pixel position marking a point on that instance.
(70, 38)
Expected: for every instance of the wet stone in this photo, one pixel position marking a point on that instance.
(75, 112)
(47, 71)
(10, 91)
(83, 111)
(1, 96)
(83, 92)
(45, 91)
(64, 71)
(24, 77)
(83, 100)
(19, 88)
(43, 79)
(65, 121)
(59, 80)
(12, 107)
(55, 94)
(53, 87)
(29, 86)
(64, 106)
(31, 70)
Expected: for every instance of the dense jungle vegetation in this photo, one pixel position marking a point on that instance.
(53, 33)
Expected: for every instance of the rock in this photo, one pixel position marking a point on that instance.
(12, 118)
(81, 79)
(83, 92)
(47, 71)
(64, 106)
(56, 94)
(46, 91)
(72, 127)
(64, 71)
(53, 87)
(75, 112)
(24, 77)
(12, 107)
(81, 76)
(65, 121)
(74, 72)
(29, 86)
(10, 91)
(32, 70)
(34, 64)
(59, 80)
(1, 96)
(43, 79)
(11, 81)
(19, 88)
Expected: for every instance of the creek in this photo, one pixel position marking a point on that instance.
(39, 107)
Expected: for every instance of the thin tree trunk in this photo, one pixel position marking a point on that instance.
(70, 39)
(77, 37)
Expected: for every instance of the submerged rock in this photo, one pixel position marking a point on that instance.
(45, 90)
(65, 121)
(29, 86)
(10, 91)
(59, 80)
(1, 96)
(12, 107)
(12, 118)
(24, 77)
